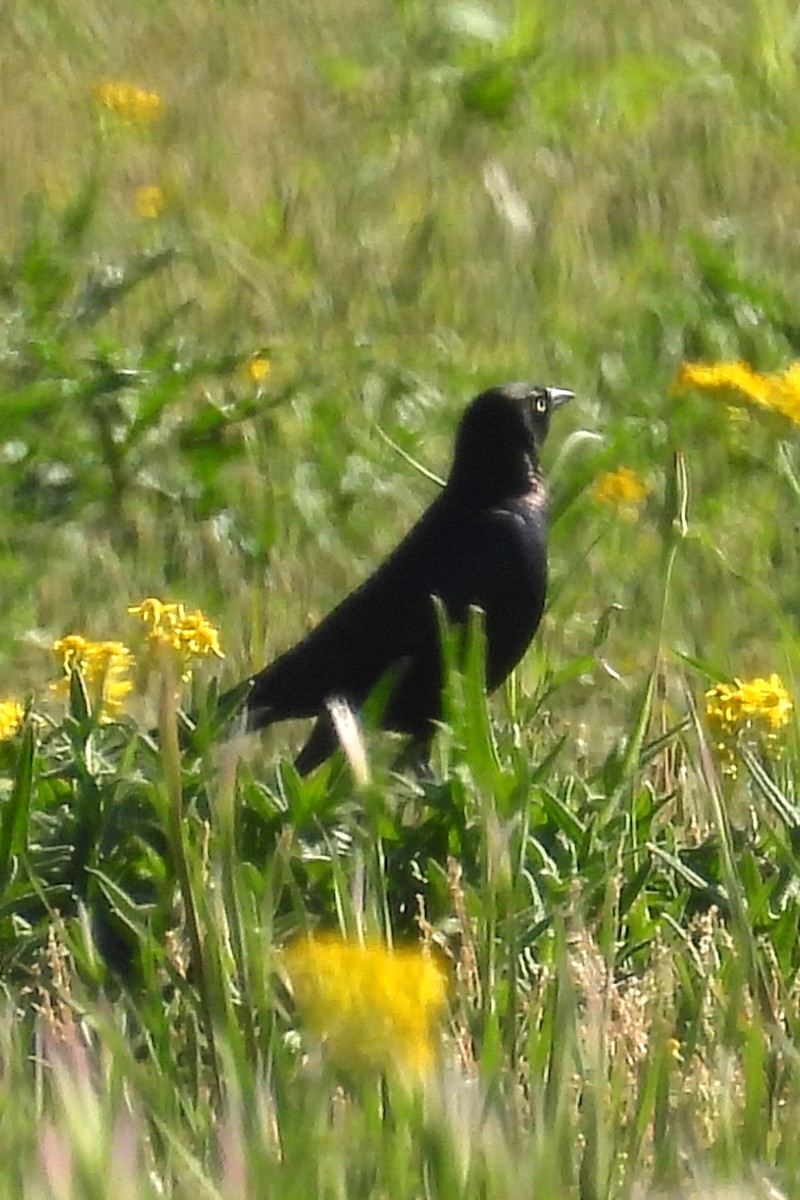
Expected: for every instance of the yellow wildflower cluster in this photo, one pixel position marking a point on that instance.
(129, 102)
(149, 201)
(105, 667)
(374, 1008)
(623, 488)
(755, 710)
(11, 715)
(186, 634)
(779, 392)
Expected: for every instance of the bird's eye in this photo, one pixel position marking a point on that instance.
(541, 404)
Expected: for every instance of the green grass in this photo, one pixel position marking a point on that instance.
(398, 203)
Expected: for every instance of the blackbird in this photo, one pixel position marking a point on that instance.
(482, 543)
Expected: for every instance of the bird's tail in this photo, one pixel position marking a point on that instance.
(243, 710)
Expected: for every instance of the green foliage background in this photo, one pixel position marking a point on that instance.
(398, 204)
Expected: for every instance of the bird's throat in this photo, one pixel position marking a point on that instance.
(519, 475)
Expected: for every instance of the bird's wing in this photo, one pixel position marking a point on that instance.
(465, 558)
(499, 555)
(376, 626)
(502, 569)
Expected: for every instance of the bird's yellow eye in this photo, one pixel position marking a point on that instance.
(541, 404)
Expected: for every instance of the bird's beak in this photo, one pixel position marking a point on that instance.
(559, 396)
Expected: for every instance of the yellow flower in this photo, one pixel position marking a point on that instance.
(730, 375)
(255, 370)
(105, 668)
(755, 710)
(623, 488)
(674, 1049)
(129, 102)
(374, 1008)
(778, 392)
(11, 715)
(186, 634)
(787, 393)
(149, 201)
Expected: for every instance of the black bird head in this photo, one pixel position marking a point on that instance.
(500, 436)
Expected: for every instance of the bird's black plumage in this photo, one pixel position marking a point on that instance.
(482, 543)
